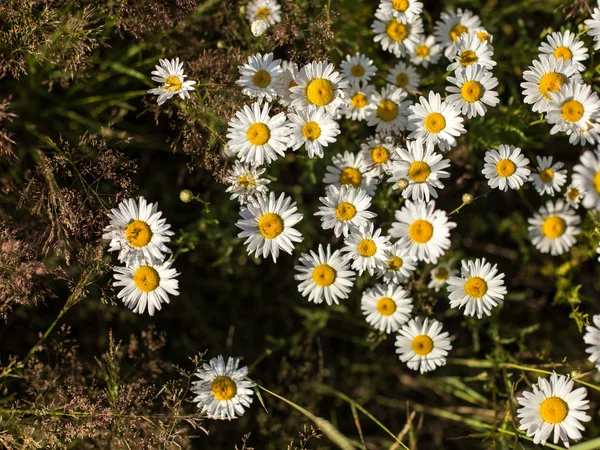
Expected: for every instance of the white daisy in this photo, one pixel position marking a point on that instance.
(314, 129)
(452, 25)
(222, 393)
(286, 81)
(423, 230)
(472, 91)
(358, 68)
(422, 168)
(367, 249)
(320, 85)
(594, 27)
(440, 275)
(397, 36)
(259, 76)
(268, 224)
(268, 10)
(324, 276)
(358, 96)
(404, 76)
(255, 137)
(350, 169)
(426, 52)
(379, 152)
(146, 285)
(545, 76)
(435, 122)
(172, 79)
(479, 288)
(137, 231)
(470, 50)
(400, 266)
(549, 177)
(346, 208)
(258, 27)
(587, 178)
(422, 345)
(553, 408)
(573, 195)
(387, 109)
(386, 307)
(245, 182)
(554, 227)
(483, 35)
(401, 9)
(506, 167)
(591, 134)
(566, 46)
(592, 338)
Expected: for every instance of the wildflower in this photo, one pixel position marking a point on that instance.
(566, 46)
(453, 25)
(314, 129)
(594, 27)
(386, 307)
(245, 182)
(320, 85)
(399, 266)
(422, 345)
(587, 178)
(367, 249)
(357, 68)
(259, 76)
(268, 10)
(387, 109)
(474, 88)
(427, 52)
(350, 169)
(470, 50)
(592, 338)
(440, 275)
(358, 97)
(397, 36)
(404, 76)
(258, 27)
(549, 178)
(506, 167)
(554, 227)
(346, 208)
(286, 81)
(573, 195)
(172, 79)
(401, 9)
(378, 152)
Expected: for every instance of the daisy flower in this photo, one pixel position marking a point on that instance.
(259, 76)
(549, 177)
(358, 96)
(350, 169)
(587, 178)
(573, 195)
(268, 10)
(386, 306)
(422, 345)
(483, 34)
(427, 52)
(404, 76)
(479, 288)
(474, 88)
(387, 109)
(379, 152)
(346, 208)
(440, 275)
(245, 182)
(470, 50)
(268, 224)
(592, 338)
(320, 85)
(137, 231)
(400, 266)
(452, 25)
(506, 167)
(545, 76)
(259, 26)
(172, 81)
(554, 227)
(357, 68)
(401, 9)
(594, 27)
(367, 249)
(397, 36)
(553, 408)
(435, 121)
(221, 392)
(566, 46)
(324, 276)
(422, 168)
(146, 285)
(422, 230)
(314, 129)
(255, 137)
(286, 81)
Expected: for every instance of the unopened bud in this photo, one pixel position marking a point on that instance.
(221, 44)
(258, 27)
(186, 196)
(467, 199)
(402, 183)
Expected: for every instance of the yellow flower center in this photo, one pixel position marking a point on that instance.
(435, 122)
(400, 5)
(146, 278)
(173, 83)
(138, 233)
(258, 133)
(358, 71)
(263, 13)
(395, 263)
(352, 176)
(386, 306)
(419, 171)
(554, 410)
(367, 248)
(223, 388)
(270, 225)
(420, 231)
(457, 30)
(550, 82)
(572, 111)
(422, 345)
(245, 181)
(320, 92)
(597, 182)
(573, 194)
(471, 91)
(422, 51)
(311, 130)
(261, 79)
(476, 287)
(323, 275)
(380, 154)
(387, 110)
(402, 79)
(468, 58)
(345, 211)
(397, 31)
(547, 175)
(563, 52)
(505, 168)
(554, 227)
(483, 36)
(359, 100)
(441, 274)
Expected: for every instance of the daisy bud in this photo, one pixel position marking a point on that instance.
(186, 196)
(258, 27)
(402, 183)
(467, 199)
